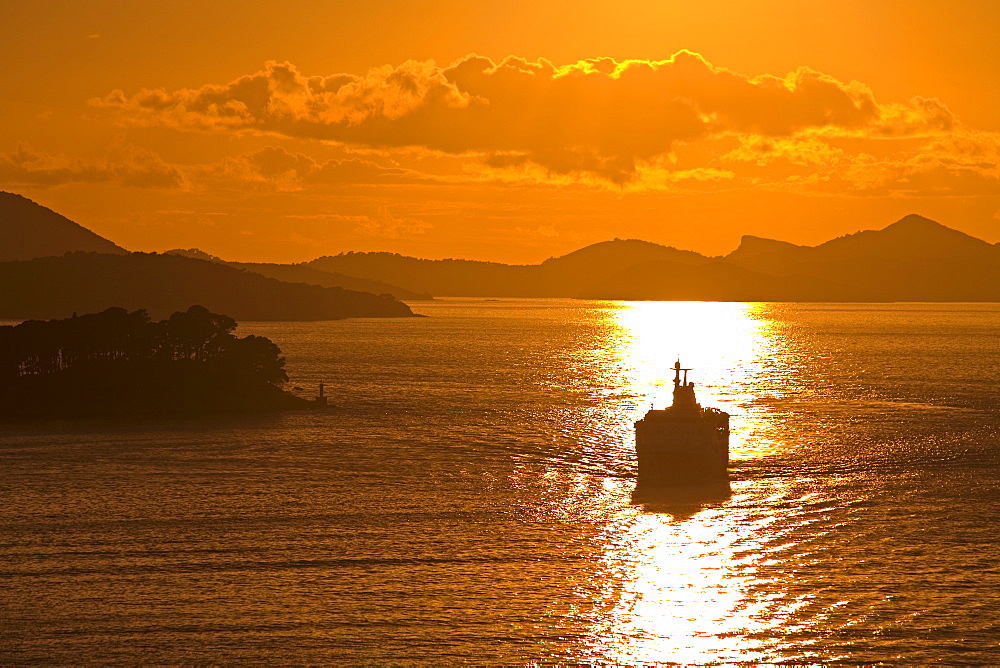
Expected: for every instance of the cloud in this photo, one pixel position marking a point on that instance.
(124, 164)
(766, 151)
(596, 116)
(922, 115)
(270, 169)
(274, 168)
(921, 175)
(963, 163)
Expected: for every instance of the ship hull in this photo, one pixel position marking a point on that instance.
(681, 453)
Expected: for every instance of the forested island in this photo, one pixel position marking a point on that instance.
(118, 362)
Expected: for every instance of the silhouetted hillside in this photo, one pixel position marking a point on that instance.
(195, 253)
(600, 262)
(29, 230)
(556, 277)
(761, 254)
(460, 278)
(301, 273)
(82, 282)
(914, 259)
(115, 362)
(912, 237)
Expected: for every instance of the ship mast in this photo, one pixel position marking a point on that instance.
(677, 374)
(684, 399)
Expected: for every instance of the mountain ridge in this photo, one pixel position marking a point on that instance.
(912, 259)
(301, 273)
(29, 230)
(56, 287)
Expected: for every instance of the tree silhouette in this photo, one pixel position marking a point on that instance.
(117, 361)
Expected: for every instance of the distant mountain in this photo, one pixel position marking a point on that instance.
(84, 272)
(459, 278)
(301, 273)
(912, 237)
(914, 259)
(569, 274)
(760, 253)
(563, 276)
(55, 287)
(195, 253)
(29, 230)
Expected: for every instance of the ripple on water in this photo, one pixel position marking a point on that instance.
(471, 500)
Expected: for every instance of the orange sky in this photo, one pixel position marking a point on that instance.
(263, 131)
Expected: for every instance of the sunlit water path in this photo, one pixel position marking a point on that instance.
(469, 499)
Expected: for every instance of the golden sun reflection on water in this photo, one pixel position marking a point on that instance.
(725, 343)
(678, 583)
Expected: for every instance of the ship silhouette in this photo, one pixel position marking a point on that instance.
(684, 446)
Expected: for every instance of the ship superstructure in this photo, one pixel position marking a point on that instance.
(684, 444)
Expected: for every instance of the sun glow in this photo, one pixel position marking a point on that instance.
(680, 580)
(688, 579)
(724, 343)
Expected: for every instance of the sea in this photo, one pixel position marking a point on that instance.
(468, 498)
